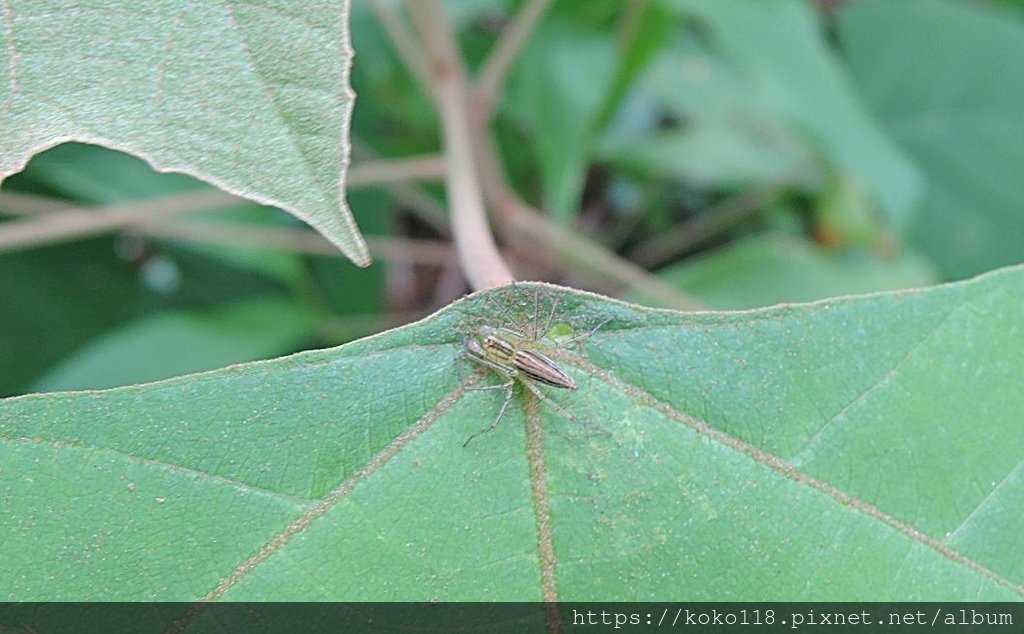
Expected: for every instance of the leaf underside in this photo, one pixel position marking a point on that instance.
(251, 97)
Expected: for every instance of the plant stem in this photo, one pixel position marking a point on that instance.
(379, 172)
(595, 260)
(681, 239)
(61, 226)
(236, 234)
(478, 253)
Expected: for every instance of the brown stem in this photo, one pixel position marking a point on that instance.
(61, 226)
(586, 256)
(380, 172)
(235, 234)
(478, 253)
(683, 238)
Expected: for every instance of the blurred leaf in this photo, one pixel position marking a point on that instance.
(96, 175)
(728, 456)
(278, 264)
(56, 299)
(1017, 5)
(723, 134)
(775, 269)
(172, 343)
(712, 156)
(463, 12)
(342, 290)
(642, 29)
(394, 116)
(562, 79)
(777, 50)
(958, 110)
(253, 98)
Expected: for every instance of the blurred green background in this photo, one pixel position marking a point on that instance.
(749, 153)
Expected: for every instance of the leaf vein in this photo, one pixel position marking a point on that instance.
(885, 379)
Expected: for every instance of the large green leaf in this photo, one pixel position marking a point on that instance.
(252, 97)
(860, 448)
(957, 109)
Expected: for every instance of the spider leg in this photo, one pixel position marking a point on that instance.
(481, 388)
(540, 334)
(582, 336)
(510, 385)
(508, 315)
(561, 410)
(544, 397)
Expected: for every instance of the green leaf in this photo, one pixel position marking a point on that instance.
(564, 76)
(777, 49)
(253, 98)
(712, 155)
(178, 342)
(728, 133)
(858, 449)
(956, 108)
(42, 287)
(845, 217)
(772, 269)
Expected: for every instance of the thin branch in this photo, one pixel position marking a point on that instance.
(424, 252)
(295, 240)
(61, 226)
(478, 254)
(409, 49)
(379, 172)
(601, 267)
(591, 259)
(683, 238)
(495, 69)
(419, 202)
(18, 204)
